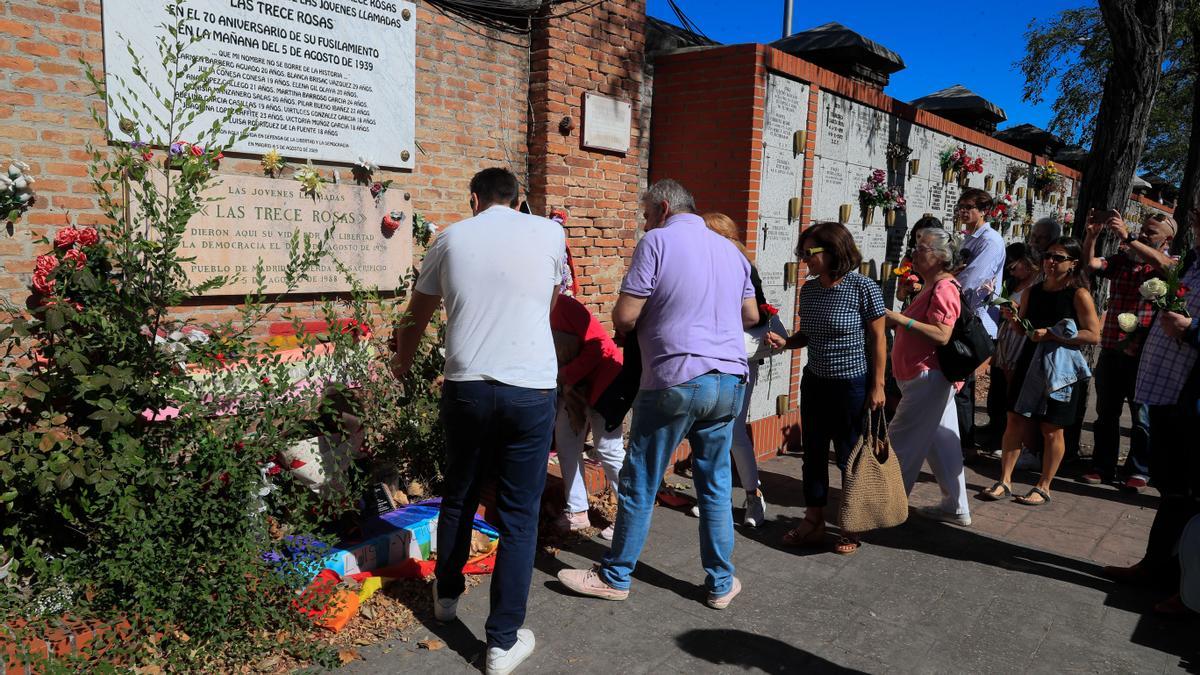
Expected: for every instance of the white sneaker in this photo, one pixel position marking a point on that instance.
(756, 510)
(1028, 461)
(695, 511)
(504, 661)
(444, 610)
(607, 533)
(936, 513)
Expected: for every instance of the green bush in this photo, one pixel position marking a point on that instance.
(104, 510)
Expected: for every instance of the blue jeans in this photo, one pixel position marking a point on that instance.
(702, 410)
(1116, 374)
(498, 431)
(831, 411)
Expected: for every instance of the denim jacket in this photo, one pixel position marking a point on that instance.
(1055, 367)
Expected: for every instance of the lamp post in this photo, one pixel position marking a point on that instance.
(787, 18)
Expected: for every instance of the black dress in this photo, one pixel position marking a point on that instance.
(1044, 309)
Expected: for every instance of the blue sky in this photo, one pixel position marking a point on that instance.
(975, 44)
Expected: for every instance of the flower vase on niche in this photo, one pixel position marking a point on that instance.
(914, 167)
(1020, 193)
(964, 179)
(844, 214)
(868, 215)
(889, 217)
(1000, 187)
(987, 183)
(947, 175)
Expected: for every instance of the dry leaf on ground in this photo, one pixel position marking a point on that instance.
(431, 644)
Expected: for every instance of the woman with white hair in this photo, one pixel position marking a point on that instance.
(925, 426)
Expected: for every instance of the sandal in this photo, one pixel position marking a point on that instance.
(1028, 498)
(846, 546)
(814, 535)
(991, 495)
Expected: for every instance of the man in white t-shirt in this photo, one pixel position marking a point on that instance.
(498, 273)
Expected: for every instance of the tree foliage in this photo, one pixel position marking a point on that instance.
(1066, 61)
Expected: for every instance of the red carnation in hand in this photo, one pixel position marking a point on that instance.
(1181, 292)
(79, 258)
(65, 237)
(768, 309)
(88, 236)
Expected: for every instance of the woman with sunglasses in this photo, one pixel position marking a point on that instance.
(1062, 294)
(841, 323)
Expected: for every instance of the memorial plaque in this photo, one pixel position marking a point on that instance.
(786, 111)
(606, 123)
(328, 80)
(832, 126)
(780, 182)
(255, 218)
(774, 379)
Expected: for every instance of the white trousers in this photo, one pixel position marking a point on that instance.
(742, 448)
(610, 446)
(925, 427)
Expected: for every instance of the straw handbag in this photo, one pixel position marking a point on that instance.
(873, 495)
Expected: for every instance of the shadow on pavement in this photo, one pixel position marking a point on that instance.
(739, 649)
(946, 541)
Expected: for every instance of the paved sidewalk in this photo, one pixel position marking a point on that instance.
(1018, 591)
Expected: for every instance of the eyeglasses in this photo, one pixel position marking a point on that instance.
(1058, 257)
(965, 207)
(808, 253)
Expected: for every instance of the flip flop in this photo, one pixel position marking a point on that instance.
(1035, 491)
(990, 493)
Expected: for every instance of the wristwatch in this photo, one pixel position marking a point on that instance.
(1131, 237)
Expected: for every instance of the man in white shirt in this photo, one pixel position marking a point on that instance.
(498, 273)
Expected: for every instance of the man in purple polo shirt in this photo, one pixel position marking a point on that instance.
(689, 294)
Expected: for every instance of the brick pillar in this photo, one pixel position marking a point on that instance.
(599, 50)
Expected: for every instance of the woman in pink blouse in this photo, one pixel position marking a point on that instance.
(926, 423)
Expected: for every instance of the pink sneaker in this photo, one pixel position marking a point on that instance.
(572, 522)
(607, 533)
(587, 582)
(722, 601)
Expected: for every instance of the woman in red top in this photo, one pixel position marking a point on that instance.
(584, 373)
(926, 423)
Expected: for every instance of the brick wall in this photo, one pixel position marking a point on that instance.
(467, 118)
(599, 50)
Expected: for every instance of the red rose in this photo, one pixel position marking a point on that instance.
(65, 237)
(1182, 292)
(147, 156)
(390, 224)
(266, 381)
(41, 284)
(197, 150)
(79, 258)
(376, 189)
(88, 236)
(45, 264)
(221, 359)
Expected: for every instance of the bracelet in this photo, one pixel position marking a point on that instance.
(909, 325)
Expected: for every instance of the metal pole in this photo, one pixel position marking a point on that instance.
(787, 18)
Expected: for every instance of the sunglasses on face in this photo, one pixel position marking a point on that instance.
(810, 252)
(1057, 258)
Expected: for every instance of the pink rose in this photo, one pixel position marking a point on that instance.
(45, 264)
(65, 237)
(41, 284)
(79, 258)
(88, 236)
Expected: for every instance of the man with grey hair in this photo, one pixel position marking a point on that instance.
(688, 292)
(1043, 233)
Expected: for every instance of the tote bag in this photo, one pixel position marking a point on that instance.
(873, 495)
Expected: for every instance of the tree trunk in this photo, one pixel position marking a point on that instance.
(1189, 191)
(1139, 31)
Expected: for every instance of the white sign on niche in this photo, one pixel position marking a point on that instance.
(331, 80)
(606, 123)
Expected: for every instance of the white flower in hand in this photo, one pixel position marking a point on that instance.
(1153, 289)
(1127, 321)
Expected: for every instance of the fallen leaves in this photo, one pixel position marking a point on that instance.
(348, 655)
(431, 644)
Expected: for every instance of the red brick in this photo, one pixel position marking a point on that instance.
(38, 49)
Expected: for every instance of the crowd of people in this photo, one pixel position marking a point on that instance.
(529, 367)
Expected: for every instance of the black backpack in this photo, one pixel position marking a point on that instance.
(969, 345)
